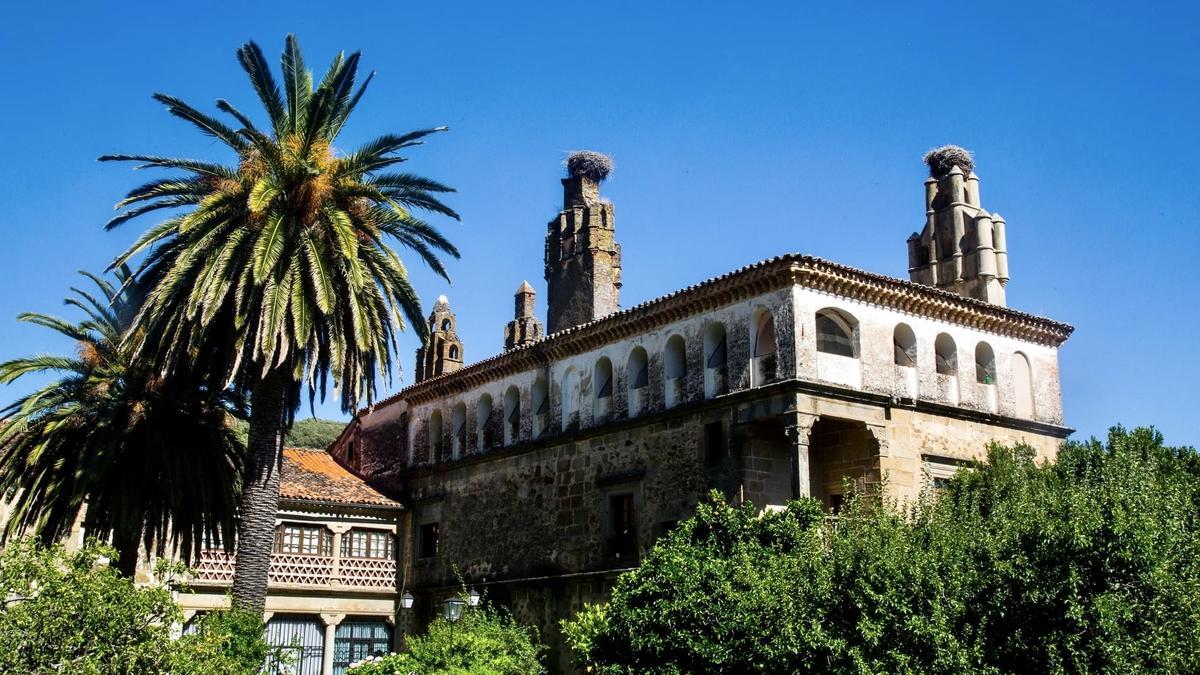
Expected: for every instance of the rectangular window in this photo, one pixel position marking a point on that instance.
(427, 541)
(622, 540)
(368, 544)
(939, 470)
(357, 639)
(303, 540)
(714, 443)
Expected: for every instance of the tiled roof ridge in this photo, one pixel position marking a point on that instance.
(333, 482)
(1038, 328)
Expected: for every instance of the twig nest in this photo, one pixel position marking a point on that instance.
(942, 160)
(592, 165)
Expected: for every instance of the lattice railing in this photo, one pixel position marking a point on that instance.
(215, 568)
(300, 570)
(368, 573)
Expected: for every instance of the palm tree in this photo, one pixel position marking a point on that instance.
(150, 461)
(277, 273)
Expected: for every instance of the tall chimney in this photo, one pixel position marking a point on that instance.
(962, 248)
(583, 260)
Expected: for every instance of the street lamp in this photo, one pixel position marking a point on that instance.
(406, 600)
(452, 609)
(473, 598)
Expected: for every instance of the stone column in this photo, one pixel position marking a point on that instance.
(798, 427)
(335, 571)
(331, 622)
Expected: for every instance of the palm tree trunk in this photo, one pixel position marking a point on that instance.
(127, 543)
(260, 491)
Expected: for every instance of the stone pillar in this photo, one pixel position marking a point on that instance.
(331, 622)
(798, 427)
(335, 571)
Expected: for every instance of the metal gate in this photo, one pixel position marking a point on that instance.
(358, 638)
(301, 638)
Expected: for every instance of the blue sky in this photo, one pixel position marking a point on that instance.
(739, 132)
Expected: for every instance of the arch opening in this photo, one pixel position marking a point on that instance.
(602, 385)
(946, 355)
(715, 359)
(512, 415)
(985, 364)
(540, 401)
(674, 370)
(637, 377)
(485, 413)
(435, 436)
(904, 343)
(570, 399)
(458, 420)
(837, 333)
(1022, 382)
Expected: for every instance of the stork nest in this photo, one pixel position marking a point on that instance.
(595, 166)
(942, 160)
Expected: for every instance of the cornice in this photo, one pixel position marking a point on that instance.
(752, 280)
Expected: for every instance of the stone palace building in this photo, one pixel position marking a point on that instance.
(540, 473)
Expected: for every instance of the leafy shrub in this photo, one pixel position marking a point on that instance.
(71, 612)
(229, 641)
(485, 641)
(1088, 564)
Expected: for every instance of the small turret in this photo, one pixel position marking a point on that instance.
(443, 352)
(524, 328)
(962, 248)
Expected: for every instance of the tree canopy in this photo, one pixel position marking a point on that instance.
(1087, 564)
(276, 272)
(154, 459)
(70, 612)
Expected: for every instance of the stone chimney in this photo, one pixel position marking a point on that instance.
(443, 353)
(962, 248)
(583, 260)
(524, 328)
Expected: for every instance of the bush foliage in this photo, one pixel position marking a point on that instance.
(71, 612)
(1087, 564)
(485, 641)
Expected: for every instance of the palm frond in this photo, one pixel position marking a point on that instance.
(296, 84)
(207, 124)
(255, 65)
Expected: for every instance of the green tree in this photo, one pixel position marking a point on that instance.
(277, 273)
(1087, 564)
(305, 433)
(154, 459)
(485, 641)
(70, 612)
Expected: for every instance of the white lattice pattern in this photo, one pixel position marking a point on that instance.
(300, 570)
(215, 568)
(368, 573)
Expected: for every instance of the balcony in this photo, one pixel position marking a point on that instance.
(292, 571)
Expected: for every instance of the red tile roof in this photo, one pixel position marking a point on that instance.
(314, 475)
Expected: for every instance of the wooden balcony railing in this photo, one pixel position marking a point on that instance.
(215, 568)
